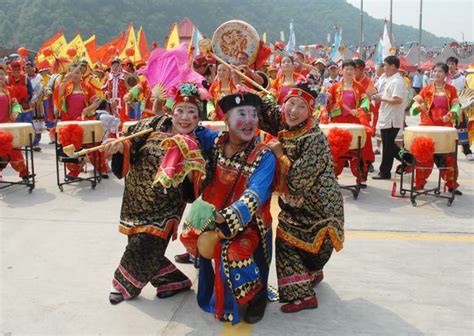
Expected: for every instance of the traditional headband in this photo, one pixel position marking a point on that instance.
(308, 98)
(186, 99)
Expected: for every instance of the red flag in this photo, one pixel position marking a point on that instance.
(90, 45)
(143, 44)
(105, 54)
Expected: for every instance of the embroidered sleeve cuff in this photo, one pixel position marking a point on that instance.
(241, 212)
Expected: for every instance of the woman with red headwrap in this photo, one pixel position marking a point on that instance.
(311, 221)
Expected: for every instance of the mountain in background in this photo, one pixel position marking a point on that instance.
(30, 22)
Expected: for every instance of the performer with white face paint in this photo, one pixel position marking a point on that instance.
(238, 189)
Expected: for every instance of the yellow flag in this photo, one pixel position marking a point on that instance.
(131, 44)
(56, 44)
(264, 37)
(173, 37)
(81, 52)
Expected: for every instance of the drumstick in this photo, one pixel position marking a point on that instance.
(70, 150)
(254, 83)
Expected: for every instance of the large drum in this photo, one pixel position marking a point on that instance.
(444, 137)
(234, 36)
(215, 125)
(355, 129)
(89, 126)
(126, 125)
(21, 133)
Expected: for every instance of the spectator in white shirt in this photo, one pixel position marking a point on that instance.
(393, 99)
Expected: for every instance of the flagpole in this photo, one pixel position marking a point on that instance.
(361, 26)
(419, 37)
(391, 11)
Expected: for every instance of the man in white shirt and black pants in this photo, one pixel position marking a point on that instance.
(393, 99)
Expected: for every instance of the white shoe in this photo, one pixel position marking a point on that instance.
(469, 157)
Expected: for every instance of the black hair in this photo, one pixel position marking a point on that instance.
(103, 105)
(442, 66)
(348, 63)
(359, 63)
(452, 59)
(292, 59)
(392, 60)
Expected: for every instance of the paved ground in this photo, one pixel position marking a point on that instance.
(404, 270)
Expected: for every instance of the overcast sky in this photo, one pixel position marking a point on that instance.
(446, 18)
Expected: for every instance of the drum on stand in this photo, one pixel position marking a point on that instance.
(23, 134)
(359, 137)
(444, 137)
(445, 142)
(93, 133)
(355, 129)
(93, 130)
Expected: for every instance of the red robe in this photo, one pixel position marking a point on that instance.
(115, 89)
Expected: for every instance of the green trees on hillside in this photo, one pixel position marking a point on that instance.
(25, 22)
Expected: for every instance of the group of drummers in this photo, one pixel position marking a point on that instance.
(272, 142)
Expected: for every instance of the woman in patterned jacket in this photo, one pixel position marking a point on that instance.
(311, 221)
(150, 213)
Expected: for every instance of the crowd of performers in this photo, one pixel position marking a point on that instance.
(273, 144)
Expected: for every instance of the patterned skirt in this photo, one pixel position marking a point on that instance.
(144, 261)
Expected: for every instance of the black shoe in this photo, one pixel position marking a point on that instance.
(382, 177)
(115, 298)
(370, 167)
(105, 176)
(184, 258)
(27, 177)
(256, 308)
(71, 178)
(37, 149)
(363, 185)
(456, 192)
(170, 293)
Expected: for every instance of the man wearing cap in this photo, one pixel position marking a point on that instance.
(333, 71)
(238, 189)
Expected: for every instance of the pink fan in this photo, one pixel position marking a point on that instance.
(167, 68)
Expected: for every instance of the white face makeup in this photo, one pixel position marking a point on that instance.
(185, 117)
(296, 111)
(242, 122)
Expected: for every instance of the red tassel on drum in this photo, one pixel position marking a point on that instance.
(71, 135)
(6, 143)
(339, 141)
(423, 149)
